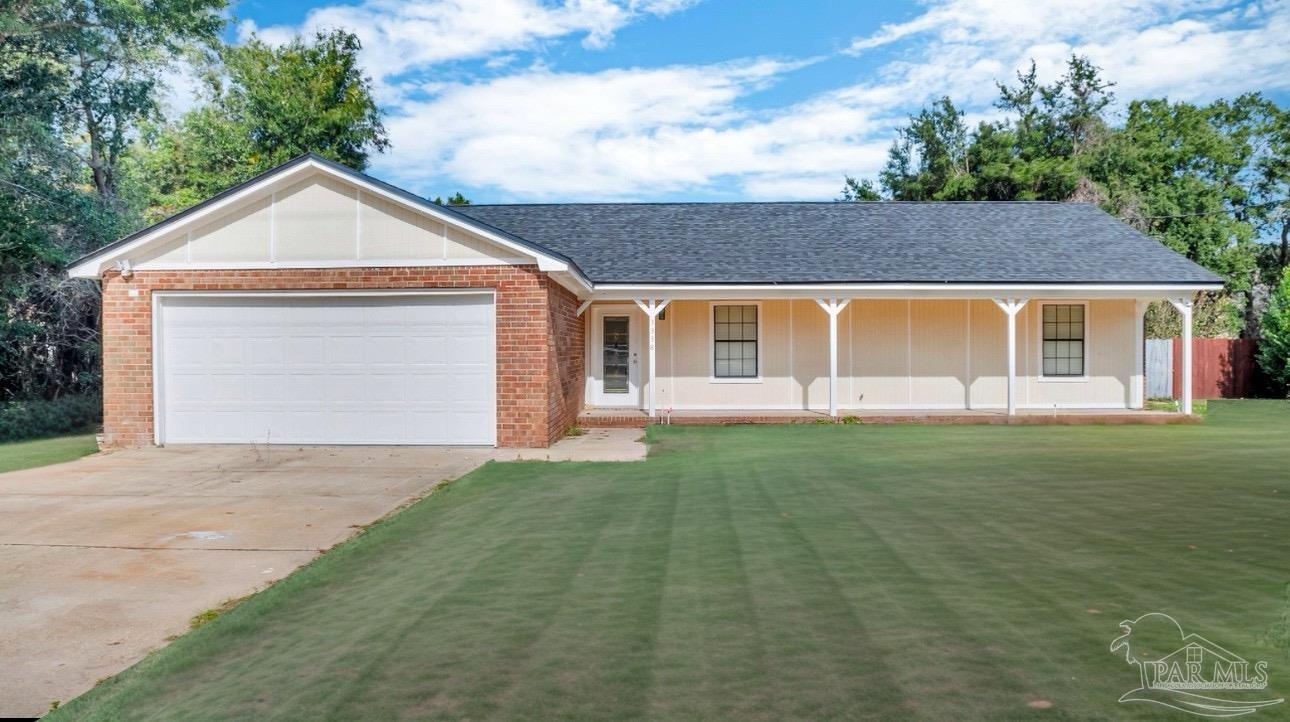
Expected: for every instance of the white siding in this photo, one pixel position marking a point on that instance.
(325, 220)
(892, 354)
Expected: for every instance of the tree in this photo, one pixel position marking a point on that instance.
(1177, 171)
(1270, 194)
(267, 105)
(457, 199)
(929, 159)
(1204, 179)
(48, 323)
(854, 191)
(104, 60)
(1274, 345)
(1036, 153)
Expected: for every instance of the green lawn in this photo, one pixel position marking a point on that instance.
(16, 455)
(770, 572)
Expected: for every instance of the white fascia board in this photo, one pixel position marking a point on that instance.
(574, 282)
(94, 267)
(617, 292)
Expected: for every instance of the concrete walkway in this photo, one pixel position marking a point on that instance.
(104, 558)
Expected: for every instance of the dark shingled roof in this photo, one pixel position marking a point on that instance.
(958, 242)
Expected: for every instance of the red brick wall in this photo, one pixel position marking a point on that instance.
(567, 354)
(530, 356)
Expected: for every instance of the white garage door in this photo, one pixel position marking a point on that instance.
(338, 369)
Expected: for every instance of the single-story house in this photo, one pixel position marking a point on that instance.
(315, 304)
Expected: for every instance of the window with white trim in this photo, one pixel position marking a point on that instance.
(1063, 339)
(734, 344)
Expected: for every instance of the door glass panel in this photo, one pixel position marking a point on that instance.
(615, 354)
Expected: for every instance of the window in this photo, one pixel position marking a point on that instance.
(1064, 339)
(734, 346)
(1194, 655)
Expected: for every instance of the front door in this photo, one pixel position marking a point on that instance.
(618, 358)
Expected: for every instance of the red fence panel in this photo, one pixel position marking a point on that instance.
(1221, 368)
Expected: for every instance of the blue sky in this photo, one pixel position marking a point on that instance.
(523, 100)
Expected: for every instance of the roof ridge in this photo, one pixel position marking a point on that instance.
(549, 204)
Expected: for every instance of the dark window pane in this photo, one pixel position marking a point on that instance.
(734, 337)
(615, 354)
(1063, 349)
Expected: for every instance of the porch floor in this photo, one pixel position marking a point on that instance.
(630, 417)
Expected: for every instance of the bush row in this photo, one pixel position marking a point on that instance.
(38, 417)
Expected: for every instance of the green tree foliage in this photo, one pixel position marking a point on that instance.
(1270, 191)
(267, 105)
(456, 199)
(59, 156)
(854, 190)
(100, 63)
(1274, 346)
(1174, 171)
(1035, 153)
(929, 159)
(1204, 179)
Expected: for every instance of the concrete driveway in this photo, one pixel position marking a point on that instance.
(103, 558)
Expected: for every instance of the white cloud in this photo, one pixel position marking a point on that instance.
(631, 133)
(1185, 49)
(399, 36)
(532, 132)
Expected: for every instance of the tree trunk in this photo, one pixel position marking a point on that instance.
(101, 174)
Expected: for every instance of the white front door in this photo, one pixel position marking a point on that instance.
(343, 368)
(616, 357)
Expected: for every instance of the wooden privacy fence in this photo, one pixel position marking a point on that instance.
(1221, 368)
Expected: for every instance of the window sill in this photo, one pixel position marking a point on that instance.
(735, 380)
(1062, 379)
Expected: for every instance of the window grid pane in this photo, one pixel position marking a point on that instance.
(1063, 344)
(734, 341)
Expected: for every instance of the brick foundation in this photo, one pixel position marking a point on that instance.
(539, 339)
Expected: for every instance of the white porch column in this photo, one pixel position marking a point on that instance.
(833, 307)
(1184, 306)
(1012, 306)
(1138, 381)
(652, 308)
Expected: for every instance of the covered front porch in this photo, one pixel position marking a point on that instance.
(937, 354)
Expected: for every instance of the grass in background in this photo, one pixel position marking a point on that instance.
(16, 455)
(769, 572)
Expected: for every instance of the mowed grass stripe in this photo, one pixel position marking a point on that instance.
(761, 573)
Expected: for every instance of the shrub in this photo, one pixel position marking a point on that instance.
(1274, 346)
(38, 417)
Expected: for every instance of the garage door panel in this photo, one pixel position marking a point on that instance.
(343, 369)
(385, 351)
